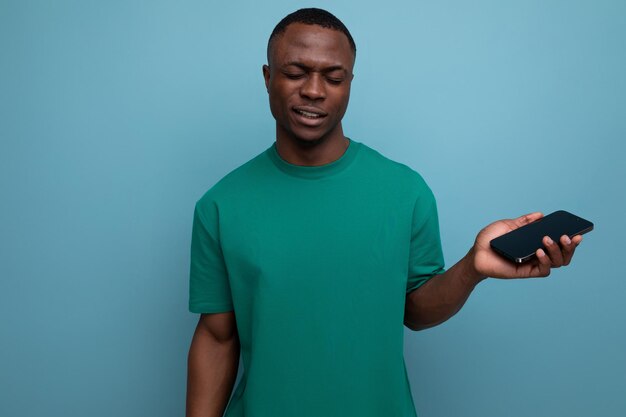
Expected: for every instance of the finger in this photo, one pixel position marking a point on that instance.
(568, 247)
(543, 265)
(527, 218)
(554, 251)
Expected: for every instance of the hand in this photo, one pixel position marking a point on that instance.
(487, 263)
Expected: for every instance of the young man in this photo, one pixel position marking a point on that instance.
(309, 258)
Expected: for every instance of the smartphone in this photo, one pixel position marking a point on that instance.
(521, 244)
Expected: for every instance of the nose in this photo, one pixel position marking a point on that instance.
(313, 87)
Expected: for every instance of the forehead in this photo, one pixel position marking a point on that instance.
(311, 44)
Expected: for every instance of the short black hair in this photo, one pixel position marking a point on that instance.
(311, 16)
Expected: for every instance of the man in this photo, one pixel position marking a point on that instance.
(309, 258)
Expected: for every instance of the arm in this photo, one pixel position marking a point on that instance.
(212, 365)
(443, 295)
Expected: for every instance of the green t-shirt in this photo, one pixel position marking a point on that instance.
(316, 263)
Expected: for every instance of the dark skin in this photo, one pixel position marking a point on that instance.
(310, 69)
(443, 295)
(308, 80)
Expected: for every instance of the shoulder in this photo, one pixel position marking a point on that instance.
(237, 181)
(391, 171)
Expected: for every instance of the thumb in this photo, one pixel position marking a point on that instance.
(526, 219)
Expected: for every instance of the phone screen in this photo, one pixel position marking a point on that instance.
(521, 244)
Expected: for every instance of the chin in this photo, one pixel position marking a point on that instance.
(309, 142)
(308, 138)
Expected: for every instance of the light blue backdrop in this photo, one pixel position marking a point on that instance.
(117, 116)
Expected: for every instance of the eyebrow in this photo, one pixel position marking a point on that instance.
(307, 68)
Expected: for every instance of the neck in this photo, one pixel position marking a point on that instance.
(321, 152)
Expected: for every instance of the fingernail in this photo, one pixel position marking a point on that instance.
(567, 240)
(548, 240)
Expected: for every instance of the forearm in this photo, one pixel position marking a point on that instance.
(212, 371)
(442, 296)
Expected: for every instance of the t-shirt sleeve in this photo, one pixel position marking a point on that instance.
(209, 288)
(426, 256)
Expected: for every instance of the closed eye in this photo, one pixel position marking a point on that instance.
(335, 81)
(293, 76)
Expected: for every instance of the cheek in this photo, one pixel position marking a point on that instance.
(341, 101)
(280, 97)
(280, 102)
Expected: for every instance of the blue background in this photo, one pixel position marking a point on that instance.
(117, 116)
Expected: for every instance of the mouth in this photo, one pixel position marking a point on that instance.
(309, 113)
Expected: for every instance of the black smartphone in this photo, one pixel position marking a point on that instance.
(521, 244)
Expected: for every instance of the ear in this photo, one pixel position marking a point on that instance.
(266, 76)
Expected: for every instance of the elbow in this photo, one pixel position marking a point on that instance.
(411, 326)
(416, 327)
(414, 318)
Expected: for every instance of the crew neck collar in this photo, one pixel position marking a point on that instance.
(319, 171)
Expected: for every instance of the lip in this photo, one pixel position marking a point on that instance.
(310, 109)
(309, 121)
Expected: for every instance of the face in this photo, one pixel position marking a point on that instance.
(308, 80)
